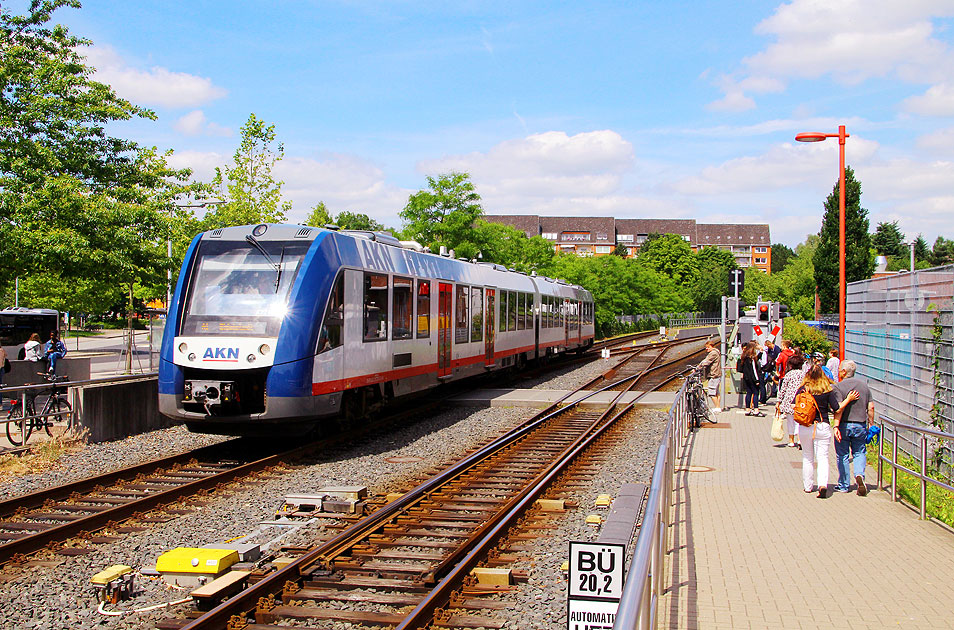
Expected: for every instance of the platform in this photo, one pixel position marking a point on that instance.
(752, 550)
(543, 398)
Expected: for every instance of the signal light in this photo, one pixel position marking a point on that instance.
(762, 312)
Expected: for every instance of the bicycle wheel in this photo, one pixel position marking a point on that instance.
(59, 410)
(18, 429)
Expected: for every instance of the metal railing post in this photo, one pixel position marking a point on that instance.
(880, 455)
(894, 464)
(923, 477)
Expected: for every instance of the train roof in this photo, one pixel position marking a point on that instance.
(380, 251)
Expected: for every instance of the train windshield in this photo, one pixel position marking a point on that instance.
(241, 288)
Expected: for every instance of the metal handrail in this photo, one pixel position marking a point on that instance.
(923, 432)
(644, 581)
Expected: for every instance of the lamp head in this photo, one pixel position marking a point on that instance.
(810, 136)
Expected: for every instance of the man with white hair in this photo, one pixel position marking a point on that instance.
(852, 432)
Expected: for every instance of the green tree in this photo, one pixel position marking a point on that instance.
(888, 240)
(354, 221)
(319, 216)
(922, 253)
(444, 214)
(56, 158)
(781, 254)
(247, 186)
(712, 278)
(859, 264)
(943, 251)
(670, 254)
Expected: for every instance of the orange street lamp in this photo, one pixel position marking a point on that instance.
(818, 137)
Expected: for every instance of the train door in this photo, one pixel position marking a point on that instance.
(579, 322)
(536, 325)
(489, 328)
(444, 318)
(566, 323)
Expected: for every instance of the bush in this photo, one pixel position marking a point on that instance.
(806, 337)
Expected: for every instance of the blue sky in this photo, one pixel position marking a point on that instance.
(630, 109)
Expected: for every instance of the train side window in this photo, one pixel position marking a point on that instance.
(375, 307)
(423, 308)
(461, 321)
(502, 318)
(527, 311)
(511, 310)
(548, 311)
(402, 308)
(332, 326)
(476, 313)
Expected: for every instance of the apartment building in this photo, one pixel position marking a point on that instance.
(750, 244)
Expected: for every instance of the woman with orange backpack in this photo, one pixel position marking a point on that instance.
(813, 400)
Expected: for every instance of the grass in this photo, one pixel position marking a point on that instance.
(82, 333)
(40, 458)
(940, 502)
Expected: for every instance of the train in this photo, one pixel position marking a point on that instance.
(276, 329)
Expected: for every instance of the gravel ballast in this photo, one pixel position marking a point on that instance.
(58, 595)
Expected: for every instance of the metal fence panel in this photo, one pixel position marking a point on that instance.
(899, 330)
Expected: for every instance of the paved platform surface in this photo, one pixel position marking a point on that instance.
(542, 398)
(752, 550)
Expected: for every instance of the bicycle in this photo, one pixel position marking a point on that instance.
(22, 422)
(696, 401)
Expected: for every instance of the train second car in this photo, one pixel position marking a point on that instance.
(274, 328)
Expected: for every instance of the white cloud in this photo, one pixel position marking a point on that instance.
(940, 141)
(937, 101)
(782, 166)
(195, 123)
(155, 86)
(849, 40)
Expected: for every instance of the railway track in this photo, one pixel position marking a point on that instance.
(405, 565)
(636, 360)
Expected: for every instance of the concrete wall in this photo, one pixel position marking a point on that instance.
(112, 412)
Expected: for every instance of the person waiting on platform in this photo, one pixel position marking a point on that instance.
(748, 367)
(55, 350)
(786, 394)
(711, 369)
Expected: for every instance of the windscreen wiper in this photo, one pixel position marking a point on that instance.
(254, 241)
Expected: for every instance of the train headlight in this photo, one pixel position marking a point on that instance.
(183, 347)
(192, 356)
(263, 349)
(250, 358)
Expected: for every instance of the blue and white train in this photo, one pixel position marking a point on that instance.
(274, 328)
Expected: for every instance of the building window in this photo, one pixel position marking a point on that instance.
(375, 307)
(402, 307)
(760, 261)
(476, 314)
(423, 308)
(550, 236)
(461, 322)
(602, 236)
(641, 238)
(603, 249)
(575, 236)
(628, 238)
(761, 250)
(685, 237)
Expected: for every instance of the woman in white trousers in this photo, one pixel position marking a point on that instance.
(816, 439)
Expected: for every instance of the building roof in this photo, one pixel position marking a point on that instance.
(528, 223)
(682, 227)
(597, 227)
(733, 234)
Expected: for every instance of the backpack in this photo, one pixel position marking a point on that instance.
(806, 409)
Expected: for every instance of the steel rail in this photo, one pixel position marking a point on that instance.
(323, 555)
(922, 475)
(246, 601)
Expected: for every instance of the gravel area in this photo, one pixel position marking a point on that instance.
(56, 594)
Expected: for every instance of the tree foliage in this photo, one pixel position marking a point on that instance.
(671, 255)
(444, 214)
(60, 171)
(247, 186)
(943, 251)
(781, 255)
(711, 280)
(888, 239)
(859, 264)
